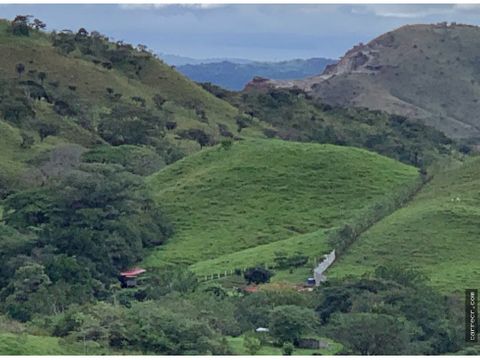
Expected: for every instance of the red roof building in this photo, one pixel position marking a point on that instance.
(131, 273)
(128, 278)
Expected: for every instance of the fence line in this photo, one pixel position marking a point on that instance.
(343, 236)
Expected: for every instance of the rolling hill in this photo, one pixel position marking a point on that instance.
(427, 72)
(234, 76)
(436, 233)
(80, 88)
(224, 202)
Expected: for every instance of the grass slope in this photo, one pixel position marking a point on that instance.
(262, 191)
(13, 344)
(312, 243)
(91, 80)
(436, 233)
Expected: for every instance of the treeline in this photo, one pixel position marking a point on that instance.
(341, 238)
(297, 116)
(384, 313)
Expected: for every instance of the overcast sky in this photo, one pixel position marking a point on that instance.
(258, 32)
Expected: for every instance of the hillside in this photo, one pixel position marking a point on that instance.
(79, 88)
(428, 72)
(234, 76)
(295, 115)
(224, 200)
(436, 233)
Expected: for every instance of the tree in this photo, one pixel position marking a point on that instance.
(290, 322)
(370, 334)
(20, 68)
(252, 344)
(29, 292)
(257, 275)
(46, 129)
(99, 213)
(20, 26)
(198, 135)
(129, 124)
(42, 76)
(243, 121)
(38, 24)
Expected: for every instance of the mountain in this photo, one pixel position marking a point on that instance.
(428, 72)
(234, 76)
(177, 60)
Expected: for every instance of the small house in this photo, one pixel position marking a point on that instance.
(128, 278)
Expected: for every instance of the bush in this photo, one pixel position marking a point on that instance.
(252, 344)
(257, 275)
(287, 348)
(46, 129)
(226, 144)
(27, 141)
(200, 136)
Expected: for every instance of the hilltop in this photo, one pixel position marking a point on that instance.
(233, 75)
(224, 200)
(427, 72)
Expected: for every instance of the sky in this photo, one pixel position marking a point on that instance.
(256, 32)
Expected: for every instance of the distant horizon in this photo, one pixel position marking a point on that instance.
(263, 33)
(185, 59)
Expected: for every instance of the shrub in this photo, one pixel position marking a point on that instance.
(223, 129)
(226, 144)
(198, 135)
(46, 129)
(287, 348)
(257, 275)
(27, 141)
(251, 344)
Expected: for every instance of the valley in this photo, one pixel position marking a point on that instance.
(222, 202)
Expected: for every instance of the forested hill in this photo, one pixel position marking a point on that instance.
(79, 88)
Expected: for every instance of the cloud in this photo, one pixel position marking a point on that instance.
(166, 6)
(405, 11)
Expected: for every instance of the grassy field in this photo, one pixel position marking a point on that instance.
(436, 233)
(236, 344)
(312, 243)
(13, 344)
(224, 201)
